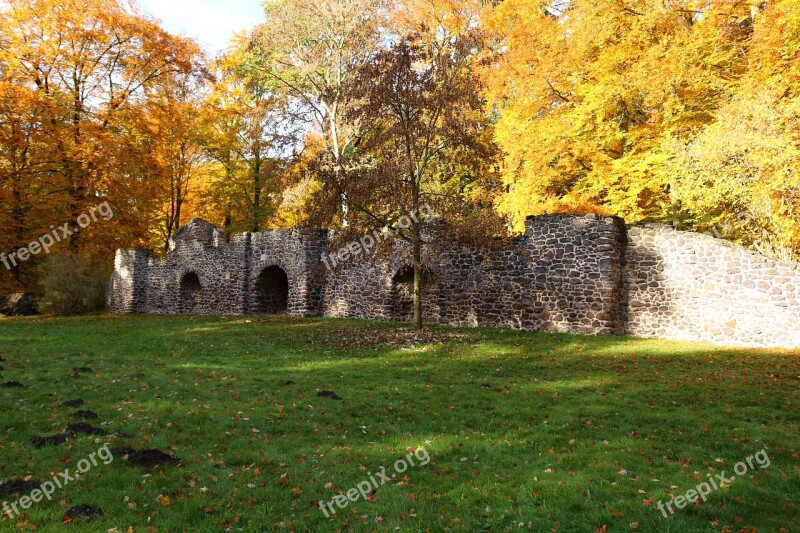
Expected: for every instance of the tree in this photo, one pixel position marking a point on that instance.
(252, 133)
(93, 61)
(26, 202)
(587, 93)
(169, 124)
(426, 141)
(313, 48)
(737, 177)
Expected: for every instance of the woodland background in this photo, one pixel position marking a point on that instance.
(350, 113)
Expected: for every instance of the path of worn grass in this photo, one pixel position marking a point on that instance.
(524, 430)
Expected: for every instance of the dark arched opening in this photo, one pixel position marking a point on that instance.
(190, 293)
(271, 293)
(403, 295)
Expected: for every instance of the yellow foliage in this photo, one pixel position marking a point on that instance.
(682, 110)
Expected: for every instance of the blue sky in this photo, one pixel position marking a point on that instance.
(212, 23)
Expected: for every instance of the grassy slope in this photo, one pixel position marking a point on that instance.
(571, 434)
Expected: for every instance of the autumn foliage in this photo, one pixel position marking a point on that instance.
(677, 111)
(680, 111)
(79, 78)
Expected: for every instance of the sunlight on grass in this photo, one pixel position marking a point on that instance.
(521, 427)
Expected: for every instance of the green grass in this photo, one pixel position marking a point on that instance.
(532, 431)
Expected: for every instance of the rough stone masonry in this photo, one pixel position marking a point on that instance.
(569, 273)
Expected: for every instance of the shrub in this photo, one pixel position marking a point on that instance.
(72, 284)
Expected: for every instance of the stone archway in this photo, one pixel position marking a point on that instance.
(190, 293)
(403, 295)
(271, 292)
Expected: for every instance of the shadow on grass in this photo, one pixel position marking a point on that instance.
(562, 431)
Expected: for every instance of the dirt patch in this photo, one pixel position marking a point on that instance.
(85, 415)
(149, 457)
(367, 337)
(152, 457)
(40, 441)
(83, 512)
(328, 394)
(12, 385)
(122, 451)
(18, 486)
(72, 403)
(82, 428)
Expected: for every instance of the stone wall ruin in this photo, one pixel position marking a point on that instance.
(569, 273)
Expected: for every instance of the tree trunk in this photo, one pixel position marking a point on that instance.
(255, 225)
(345, 211)
(345, 205)
(19, 221)
(226, 225)
(417, 257)
(77, 180)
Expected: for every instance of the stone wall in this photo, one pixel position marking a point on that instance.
(563, 274)
(689, 286)
(228, 273)
(582, 274)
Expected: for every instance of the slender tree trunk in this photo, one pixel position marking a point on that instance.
(339, 174)
(19, 221)
(336, 152)
(226, 225)
(174, 221)
(345, 210)
(77, 178)
(228, 222)
(176, 224)
(416, 252)
(256, 226)
(417, 283)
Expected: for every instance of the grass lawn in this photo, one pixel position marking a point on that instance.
(522, 430)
